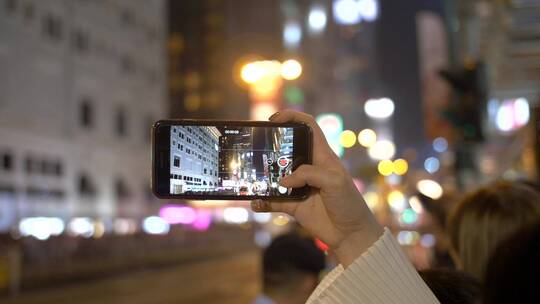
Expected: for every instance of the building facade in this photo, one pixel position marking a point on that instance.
(81, 83)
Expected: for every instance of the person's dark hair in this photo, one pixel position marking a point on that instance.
(452, 286)
(288, 257)
(512, 272)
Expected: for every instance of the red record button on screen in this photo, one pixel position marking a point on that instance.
(283, 161)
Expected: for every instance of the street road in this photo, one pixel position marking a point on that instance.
(229, 279)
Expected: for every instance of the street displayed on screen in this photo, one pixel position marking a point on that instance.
(226, 160)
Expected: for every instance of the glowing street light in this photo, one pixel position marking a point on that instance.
(383, 149)
(385, 167)
(367, 138)
(317, 19)
(346, 12)
(292, 34)
(430, 188)
(347, 138)
(381, 108)
(400, 166)
(252, 72)
(291, 69)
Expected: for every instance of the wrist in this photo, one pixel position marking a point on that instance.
(354, 244)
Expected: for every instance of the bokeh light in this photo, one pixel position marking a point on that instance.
(396, 200)
(367, 138)
(385, 167)
(432, 164)
(317, 19)
(291, 69)
(401, 166)
(415, 204)
(372, 200)
(383, 149)
(155, 225)
(347, 138)
(430, 188)
(440, 144)
(381, 108)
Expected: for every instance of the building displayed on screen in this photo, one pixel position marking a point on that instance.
(230, 160)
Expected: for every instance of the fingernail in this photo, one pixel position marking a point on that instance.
(273, 116)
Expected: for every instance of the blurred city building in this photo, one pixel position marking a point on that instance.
(81, 83)
(209, 40)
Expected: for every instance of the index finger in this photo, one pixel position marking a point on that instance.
(321, 150)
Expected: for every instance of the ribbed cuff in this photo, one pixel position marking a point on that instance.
(383, 274)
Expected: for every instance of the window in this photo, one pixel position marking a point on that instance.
(86, 114)
(11, 5)
(174, 142)
(205, 171)
(176, 161)
(29, 11)
(86, 187)
(181, 147)
(47, 167)
(29, 165)
(178, 146)
(121, 128)
(58, 169)
(174, 130)
(52, 27)
(120, 189)
(80, 41)
(7, 162)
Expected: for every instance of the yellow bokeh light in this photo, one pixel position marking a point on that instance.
(372, 200)
(347, 138)
(396, 200)
(367, 138)
(291, 69)
(192, 102)
(401, 166)
(252, 72)
(385, 167)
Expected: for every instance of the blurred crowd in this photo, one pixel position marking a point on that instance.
(488, 250)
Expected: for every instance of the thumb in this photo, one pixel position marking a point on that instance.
(309, 175)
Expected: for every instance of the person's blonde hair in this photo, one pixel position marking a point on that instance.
(487, 216)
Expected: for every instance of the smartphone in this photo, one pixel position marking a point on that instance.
(227, 160)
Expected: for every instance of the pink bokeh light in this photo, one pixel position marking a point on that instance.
(173, 214)
(203, 220)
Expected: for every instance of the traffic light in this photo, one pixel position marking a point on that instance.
(466, 112)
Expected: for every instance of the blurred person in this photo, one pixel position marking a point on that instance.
(291, 268)
(487, 216)
(435, 222)
(452, 286)
(512, 272)
(373, 267)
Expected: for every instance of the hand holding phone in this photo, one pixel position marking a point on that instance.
(210, 159)
(335, 211)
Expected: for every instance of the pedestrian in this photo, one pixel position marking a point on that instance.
(290, 270)
(487, 216)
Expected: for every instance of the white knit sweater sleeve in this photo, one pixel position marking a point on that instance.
(383, 274)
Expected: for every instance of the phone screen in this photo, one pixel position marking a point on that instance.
(231, 160)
